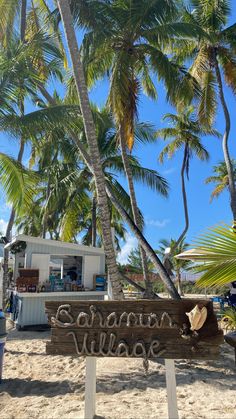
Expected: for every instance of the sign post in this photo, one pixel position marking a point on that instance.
(171, 389)
(90, 388)
(147, 329)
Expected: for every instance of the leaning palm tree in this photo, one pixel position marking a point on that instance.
(78, 72)
(129, 48)
(220, 178)
(213, 60)
(184, 132)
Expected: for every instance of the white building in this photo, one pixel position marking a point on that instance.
(60, 259)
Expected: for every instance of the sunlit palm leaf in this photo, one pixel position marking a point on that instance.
(17, 182)
(218, 262)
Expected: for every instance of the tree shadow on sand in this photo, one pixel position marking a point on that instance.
(186, 373)
(15, 334)
(21, 387)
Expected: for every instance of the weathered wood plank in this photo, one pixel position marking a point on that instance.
(144, 328)
(163, 335)
(171, 352)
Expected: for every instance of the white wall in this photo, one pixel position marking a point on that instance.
(91, 266)
(41, 262)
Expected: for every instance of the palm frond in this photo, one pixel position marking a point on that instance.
(218, 248)
(208, 103)
(17, 182)
(150, 178)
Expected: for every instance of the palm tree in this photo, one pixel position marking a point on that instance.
(185, 133)
(22, 142)
(177, 266)
(128, 49)
(220, 178)
(135, 261)
(22, 64)
(93, 146)
(213, 57)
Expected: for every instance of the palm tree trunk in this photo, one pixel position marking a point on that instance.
(142, 241)
(45, 216)
(23, 20)
(185, 201)
(93, 147)
(178, 275)
(232, 189)
(94, 221)
(148, 292)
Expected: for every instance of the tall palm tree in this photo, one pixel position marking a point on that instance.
(22, 140)
(185, 132)
(18, 72)
(91, 136)
(221, 178)
(213, 60)
(129, 48)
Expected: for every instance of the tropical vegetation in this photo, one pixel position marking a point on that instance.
(220, 178)
(72, 186)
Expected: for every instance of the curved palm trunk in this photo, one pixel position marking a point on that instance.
(93, 147)
(232, 189)
(148, 292)
(142, 241)
(184, 196)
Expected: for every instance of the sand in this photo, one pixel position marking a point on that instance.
(37, 385)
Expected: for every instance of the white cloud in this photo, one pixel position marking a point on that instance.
(5, 208)
(157, 223)
(3, 226)
(130, 244)
(169, 171)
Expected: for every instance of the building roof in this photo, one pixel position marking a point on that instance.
(55, 243)
(192, 254)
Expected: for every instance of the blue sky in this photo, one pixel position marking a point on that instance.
(164, 217)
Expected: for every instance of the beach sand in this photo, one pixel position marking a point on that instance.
(37, 385)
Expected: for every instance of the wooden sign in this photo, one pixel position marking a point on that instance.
(142, 328)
